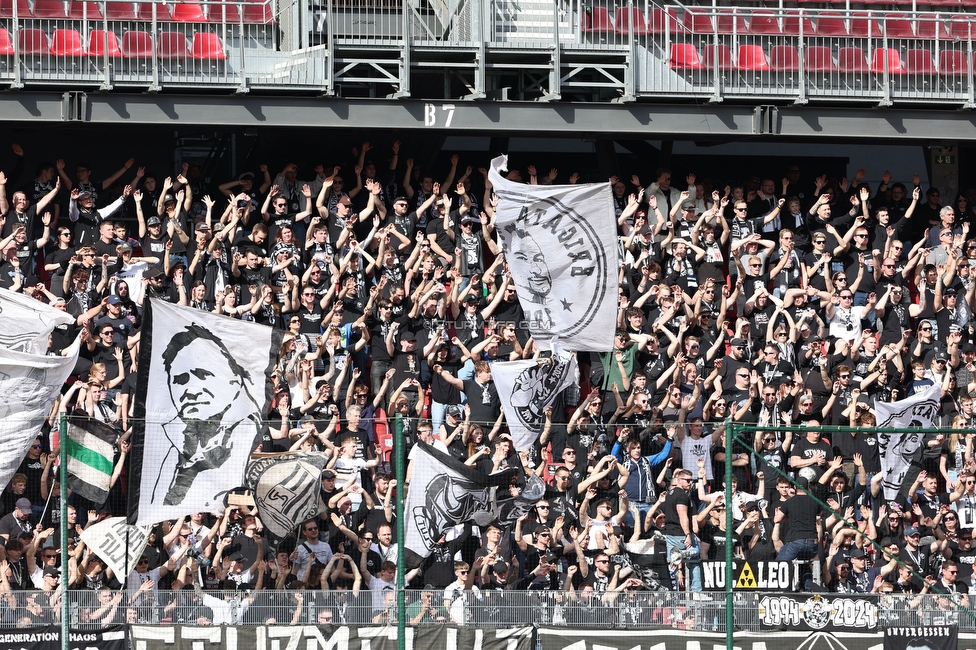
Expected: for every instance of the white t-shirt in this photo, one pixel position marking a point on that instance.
(322, 551)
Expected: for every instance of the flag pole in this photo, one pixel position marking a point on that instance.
(401, 490)
(63, 487)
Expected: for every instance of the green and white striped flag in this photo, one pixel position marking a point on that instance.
(91, 452)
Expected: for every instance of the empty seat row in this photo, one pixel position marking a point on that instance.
(819, 59)
(250, 11)
(859, 25)
(134, 44)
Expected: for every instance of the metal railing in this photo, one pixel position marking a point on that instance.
(630, 609)
(607, 48)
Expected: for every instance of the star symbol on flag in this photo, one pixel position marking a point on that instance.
(567, 306)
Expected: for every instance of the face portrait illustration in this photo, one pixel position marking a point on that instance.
(527, 252)
(196, 373)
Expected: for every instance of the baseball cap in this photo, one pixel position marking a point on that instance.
(687, 204)
(237, 557)
(467, 219)
(500, 567)
(857, 552)
(23, 505)
(51, 571)
(471, 298)
(453, 411)
(738, 343)
(152, 221)
(941, 356)
(328, 474)
(168, 198)
(202, 227)
(246, 176)
(84, 195)
(114, 300)
(911, 530)
(125, 248)
(401, 198)
(408, 335)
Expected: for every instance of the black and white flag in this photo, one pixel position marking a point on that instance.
(444, 493)
(527, 388)
(287, 490)
(202, 391)
(117, 543)
(29, 383)
(560, 242)
(26, 323)
(901, 452)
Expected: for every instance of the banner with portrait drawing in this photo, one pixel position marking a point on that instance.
(527, 388)
(117, 543)
(922, 637)
(560, 242)
(901, 452)
(202, 391)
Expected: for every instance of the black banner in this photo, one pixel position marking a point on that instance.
(819, 612)
(49, 638)
(926, 637)
(765, 576)
(314, 637)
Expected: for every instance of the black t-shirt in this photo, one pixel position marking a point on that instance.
(676, 496)
(802, 511)
(484, 402)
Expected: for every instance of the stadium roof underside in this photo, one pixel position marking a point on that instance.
(672, 121)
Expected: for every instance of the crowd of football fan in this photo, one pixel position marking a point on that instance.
(777, 302)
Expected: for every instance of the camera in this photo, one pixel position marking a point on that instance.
(196, 555)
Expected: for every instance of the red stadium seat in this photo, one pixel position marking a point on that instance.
(6, 43)
(831, 25)
(784, 58)
(188, 12)
(597, 20)
(84, 10)
(899, 26)
(684, 56)
(7, 9)
(852, 59)
(818, 58)
(146, 12)
(67, 42)
(136, 45)
(752, 58)
(120, 11)
(171, 45)
(717, 54)
(932, 29)
(630, 21)
(961, 29)
(731, 22)
(791, 25)
(661, 22)
(101, 43)
(863, 26)
(231, 14)
(257, 13)
(32, 42)
(919, 61)
(764, 25)
(50, 9)
(697, 22)
(207, 46)
(889, 55)
(952, 63)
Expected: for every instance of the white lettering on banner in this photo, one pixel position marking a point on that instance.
(913, 632)
(365, 634)
(213, 635)
(769, 576)
(141, 634)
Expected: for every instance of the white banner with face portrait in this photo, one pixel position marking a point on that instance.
(900, 452)
(30, 383)
(560, 242)
(203, 389)
(26, 323)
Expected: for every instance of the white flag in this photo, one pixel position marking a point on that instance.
(29, 383)
(898, 451)
(560, 242)
(202, 392)
(26, 323)
(526, 388)
(117, 543)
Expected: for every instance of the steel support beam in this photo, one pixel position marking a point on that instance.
(669, 121)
